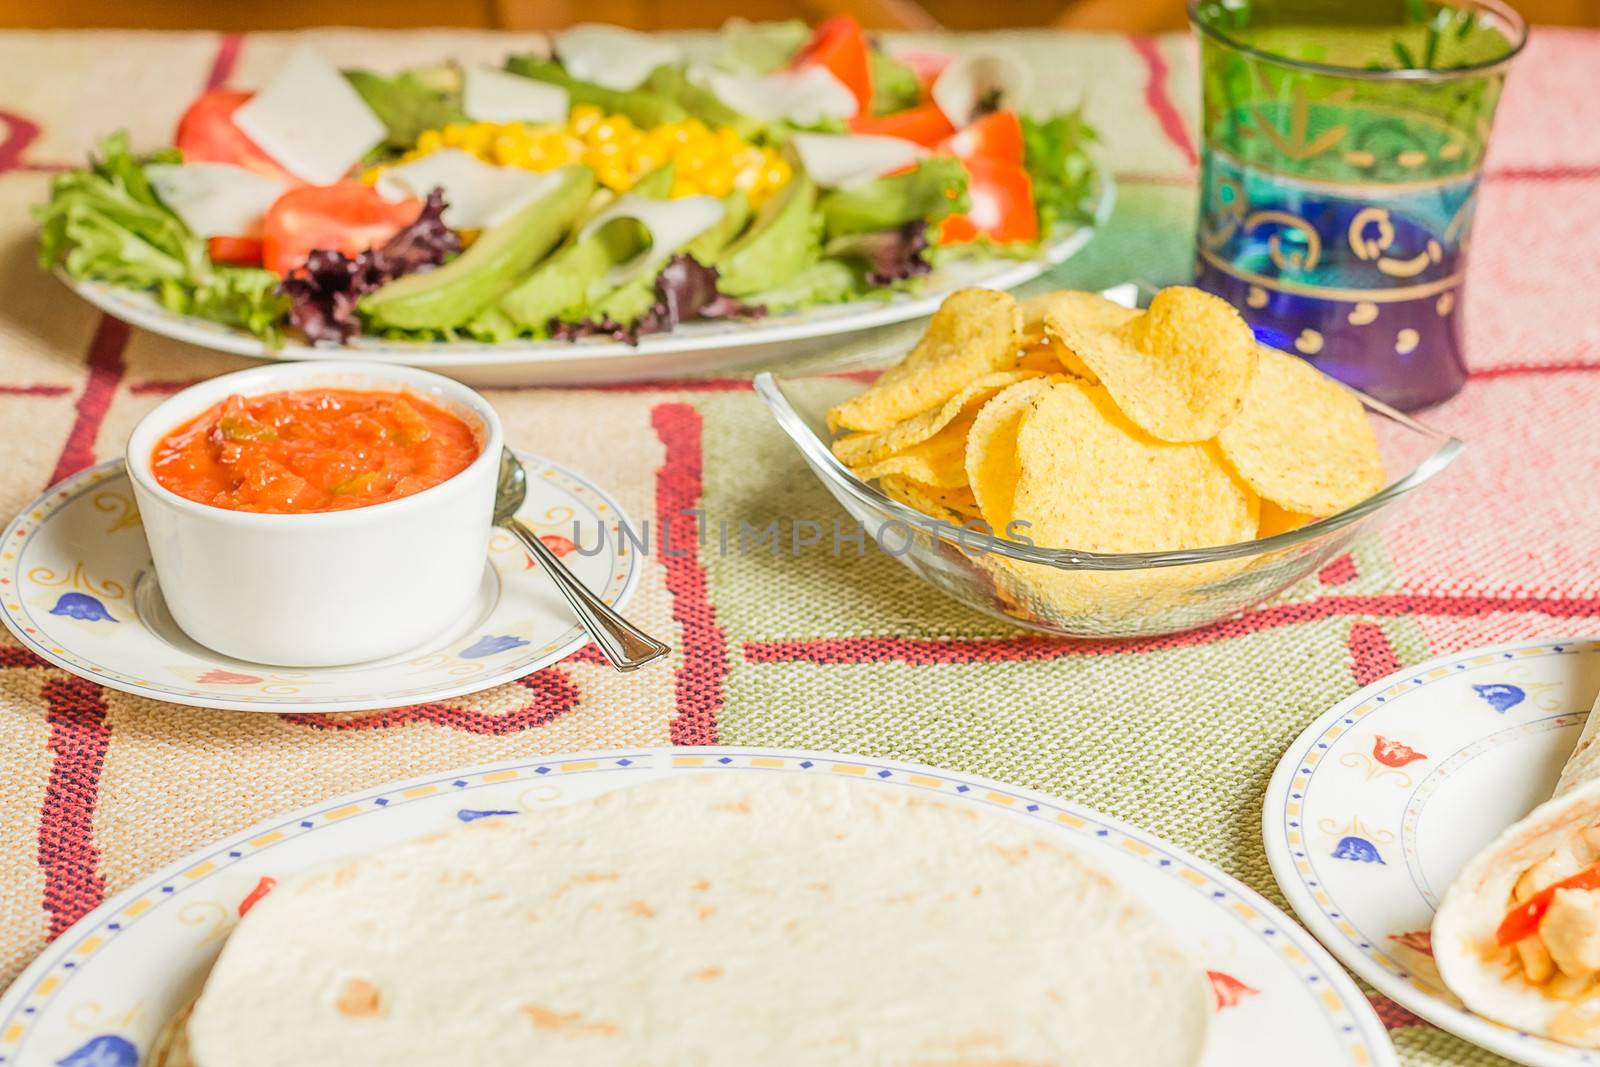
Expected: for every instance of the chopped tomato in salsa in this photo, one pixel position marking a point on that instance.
(313, 450)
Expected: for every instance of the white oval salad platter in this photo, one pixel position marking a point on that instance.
(690, 349)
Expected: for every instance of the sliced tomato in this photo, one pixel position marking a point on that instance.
(840, 44)
(1524, 919)
(1000, 198)
(235, 251)
(349, 217)
(997, 135)
(924, 124)
(206, 134)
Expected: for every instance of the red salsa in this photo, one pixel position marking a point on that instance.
(313, 450)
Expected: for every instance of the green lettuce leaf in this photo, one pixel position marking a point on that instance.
(406, 104)
(745, 47)
(1056, 154)
(894, 85)
(647, 109)
(935, 188)
(105, 222)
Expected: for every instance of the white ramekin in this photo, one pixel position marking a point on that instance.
(327, 588)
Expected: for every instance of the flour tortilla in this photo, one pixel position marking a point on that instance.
(724, 918)
(1464, 928)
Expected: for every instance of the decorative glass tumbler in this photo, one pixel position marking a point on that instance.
(1343, 143)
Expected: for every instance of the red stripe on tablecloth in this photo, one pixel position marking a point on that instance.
(68, 855)
(1340, 571)
(19, 134)
(105, 371)
(1510, 370)
(226, 59)
(1155, 96)
(14, 656)
(34, 390)
(917, 651)
(1392, 1015)
(1371, 655)
(704, 666)
(168, 386)
(552, 696)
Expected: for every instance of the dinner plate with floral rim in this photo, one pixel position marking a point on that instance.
(78, 589)
(106, 987)
(1380, 803)
(692, 348)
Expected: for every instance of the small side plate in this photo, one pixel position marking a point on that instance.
(77, 588)
(1378, 805)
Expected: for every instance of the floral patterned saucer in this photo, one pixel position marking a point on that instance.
(77, 588)
(1379, 804)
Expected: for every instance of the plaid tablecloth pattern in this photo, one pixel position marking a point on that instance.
(1177, 735)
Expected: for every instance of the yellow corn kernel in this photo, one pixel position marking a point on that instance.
(429, 141)
(511, 149)
(717, 179)
(614, 176)
(371, 175)
(777, 172)
(583, 118)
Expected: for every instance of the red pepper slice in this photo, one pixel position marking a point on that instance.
(235, 251)
(997, 135)
(925, 124)
(1000, 196)
(1523, 920)
(840, 44)
(206, 134)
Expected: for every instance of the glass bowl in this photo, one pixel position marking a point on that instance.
(1086, 594)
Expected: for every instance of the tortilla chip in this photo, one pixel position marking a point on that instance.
(940, 461)
(949, 505)
(1275, 520)
(992, 469)
(861, 448)
(1090, 480)
(1302, 440)
(973, 333)
(1179, 370)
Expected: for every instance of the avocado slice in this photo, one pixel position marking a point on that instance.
(735, 214)
(452, 294)
(782, 240)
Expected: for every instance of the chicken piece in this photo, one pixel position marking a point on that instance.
(1571, 931)
(1536, 963)
(1558, 866)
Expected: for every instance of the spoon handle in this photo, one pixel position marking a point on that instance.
(625, 646)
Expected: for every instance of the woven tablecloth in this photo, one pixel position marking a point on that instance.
(1177, 735)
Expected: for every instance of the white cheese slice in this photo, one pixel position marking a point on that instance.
(671, 224)
(612, 56)
(215, 199)
(490, 95)
(838, 159)
(476, 194)
(805, 96)
(311, 120)
(972, 80)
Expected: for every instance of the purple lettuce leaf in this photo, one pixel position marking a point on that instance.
(686, 291)
(325, 291)
(890, 256)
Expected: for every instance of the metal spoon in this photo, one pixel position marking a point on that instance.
(624, 645)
